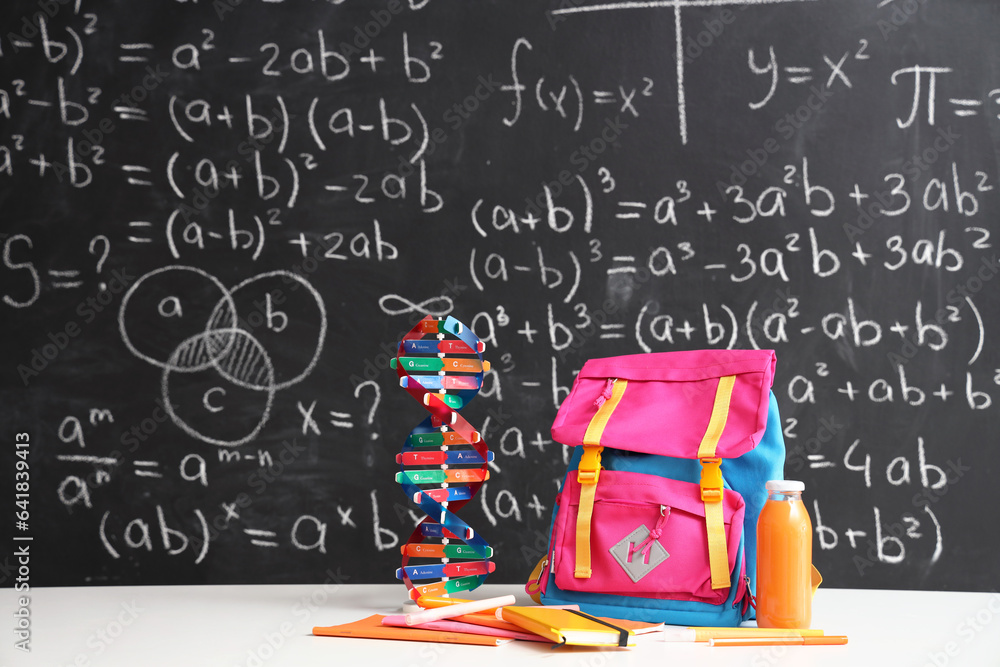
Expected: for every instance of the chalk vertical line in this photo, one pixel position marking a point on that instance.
(679, 55)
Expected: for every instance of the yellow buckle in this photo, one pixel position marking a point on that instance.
(589, 470)
(711, 480)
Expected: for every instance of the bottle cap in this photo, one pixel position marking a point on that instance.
(784, 486)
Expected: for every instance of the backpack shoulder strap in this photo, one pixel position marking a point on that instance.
(711, 483)
(588, 472)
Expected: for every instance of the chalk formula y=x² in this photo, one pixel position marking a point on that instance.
(677, 6)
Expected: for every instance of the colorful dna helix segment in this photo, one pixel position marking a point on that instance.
(444, 460)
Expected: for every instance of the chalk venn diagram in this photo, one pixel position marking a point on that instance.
(224, 352)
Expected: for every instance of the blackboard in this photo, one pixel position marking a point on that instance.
(570, 179)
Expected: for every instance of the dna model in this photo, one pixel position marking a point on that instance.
(444, 460)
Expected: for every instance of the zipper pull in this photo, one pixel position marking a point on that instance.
(654, 534)
(609, 388)
(748, 599)
(542, 571)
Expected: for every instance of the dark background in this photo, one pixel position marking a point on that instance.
(908, 401)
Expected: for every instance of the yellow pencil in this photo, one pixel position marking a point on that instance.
(706, 634)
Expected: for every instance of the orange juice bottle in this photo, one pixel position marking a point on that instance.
(784, 558)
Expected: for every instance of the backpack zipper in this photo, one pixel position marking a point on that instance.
(542, 571)
(747, 600)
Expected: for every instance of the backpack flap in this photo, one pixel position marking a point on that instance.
(704, 404)
(669, 401)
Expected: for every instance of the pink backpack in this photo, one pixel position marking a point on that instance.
(656, 519)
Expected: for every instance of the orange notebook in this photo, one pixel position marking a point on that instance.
(372, 628)
(564, 626)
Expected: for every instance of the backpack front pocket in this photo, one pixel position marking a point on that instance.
(647, 538)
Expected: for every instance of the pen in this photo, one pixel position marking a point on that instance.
(830, 640)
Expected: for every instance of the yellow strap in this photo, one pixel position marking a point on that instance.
(588, 472)
(582, 569)
(718, 556)
(711, 484)
(600, 420)
(717, 422)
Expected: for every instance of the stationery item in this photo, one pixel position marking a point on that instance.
(827, 640)
(451, 611)
(638, 627)
(784, 558)
(372, 628)
(432, 601)
(656, 518)
(444, 461)
(705, 634)
(488, 620)
(565, 626)
(453, 625)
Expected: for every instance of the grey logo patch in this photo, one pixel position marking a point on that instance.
(627, 553)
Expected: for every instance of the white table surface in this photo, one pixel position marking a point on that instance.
(257, 626)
